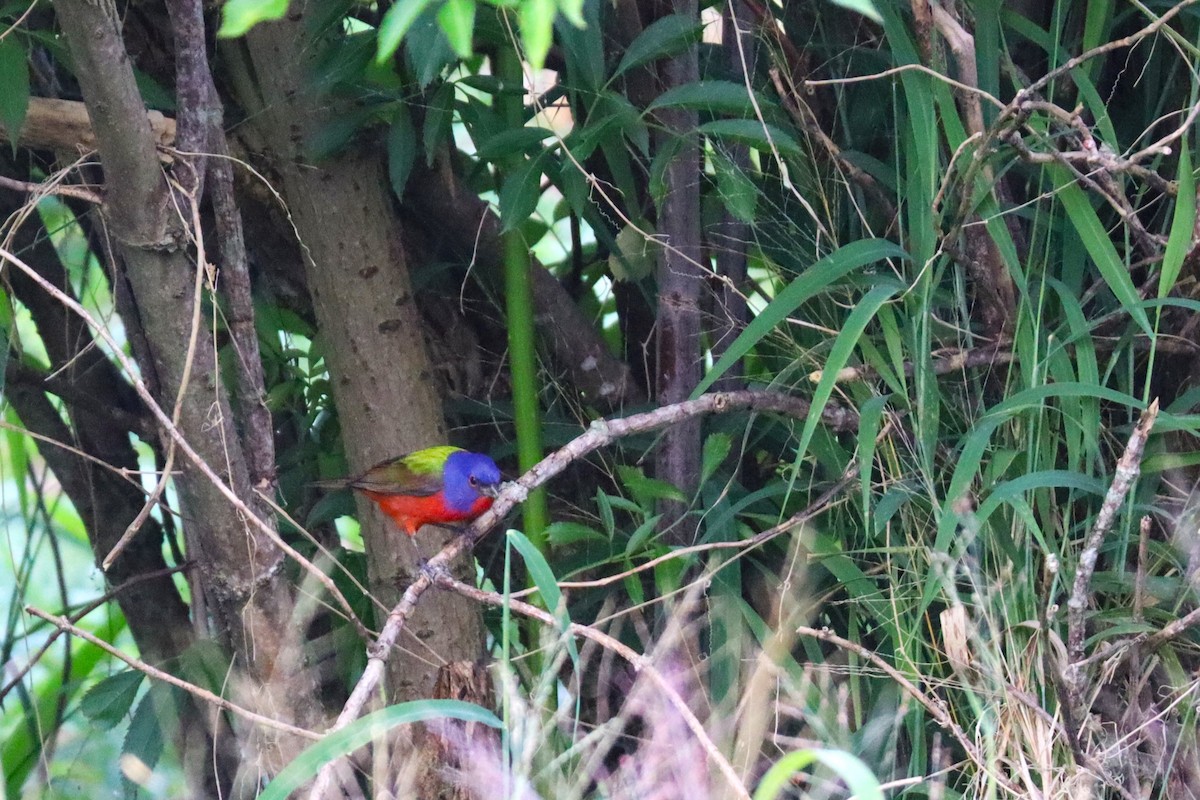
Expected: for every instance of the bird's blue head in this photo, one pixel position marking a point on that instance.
(468, 476)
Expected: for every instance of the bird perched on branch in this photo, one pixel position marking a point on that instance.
(434, 486)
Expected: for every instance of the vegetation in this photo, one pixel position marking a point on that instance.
(854, 344)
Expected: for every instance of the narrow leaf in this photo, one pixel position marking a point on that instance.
(856, 775)
(724, 97)
(537, 27)
(716, 449)
(14, 86)
(402, 150)
(1182, 223)
(457, 18)
(864, 7)
(668, 36)
(365, 730)
(396, 22)
(753, 133)
(520, 193)
(829, 269)
(1099, 245)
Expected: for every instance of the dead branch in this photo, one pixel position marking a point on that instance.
(1127, 471)
(64, 125)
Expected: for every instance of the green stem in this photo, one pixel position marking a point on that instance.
(523, 360)
(519, 306)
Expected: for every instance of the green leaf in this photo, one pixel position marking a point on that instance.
(14, 86)
(722, 97)
(640, 536)
(426, 49)
(539, 569)
(864, 7)
(829, 269)
(856, 775)
(547, 585)
(851, 330)
(438, 115)
(401, 150)
(566, 533)
(107, 703)
(738, 193)
(144, 739)
(537, 29)
(457, 18)
(521, 191)
(365, 730)
(512, 142)
(396, 22)
(1180, 239)
(668, 36)
(1099, 245)
(716, 449)
(239, 16)
(756, 134)
(573, 11)
(647, 491)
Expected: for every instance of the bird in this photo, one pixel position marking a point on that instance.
(435, 486)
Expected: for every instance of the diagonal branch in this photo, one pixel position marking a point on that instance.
(601, 433)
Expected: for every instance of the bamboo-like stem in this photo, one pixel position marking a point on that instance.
(518, 298)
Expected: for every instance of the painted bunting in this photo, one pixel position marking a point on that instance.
(434, 486)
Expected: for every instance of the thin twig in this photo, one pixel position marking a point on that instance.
(934, 705)
(66, 626)
(1127, 471)
(639, 662)
(62, 190)
(80, 614)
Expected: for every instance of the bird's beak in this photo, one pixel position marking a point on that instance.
(491, 490)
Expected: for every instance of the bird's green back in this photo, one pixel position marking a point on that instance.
(429, 461)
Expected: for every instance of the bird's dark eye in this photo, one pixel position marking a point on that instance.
(473, 480)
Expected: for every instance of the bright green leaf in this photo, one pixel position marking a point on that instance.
(239, 16)
(365, 730)
(457, 18)
(716, 449)
(856, 775)
(396, 22)
(1099, 245)
(546, 583)
(829, 269)
(537, 28)
(1182, 223)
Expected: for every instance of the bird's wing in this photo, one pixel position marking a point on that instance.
(418, 474)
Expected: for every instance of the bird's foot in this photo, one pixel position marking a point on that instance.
(435, 570)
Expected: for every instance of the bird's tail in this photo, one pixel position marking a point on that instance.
(331, 485)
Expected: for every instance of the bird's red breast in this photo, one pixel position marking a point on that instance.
(411, 512)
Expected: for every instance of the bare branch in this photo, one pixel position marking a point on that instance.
(65, 625)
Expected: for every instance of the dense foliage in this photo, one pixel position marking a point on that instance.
(938, 535)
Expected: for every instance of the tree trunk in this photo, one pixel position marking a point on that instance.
(362, 295)
(239, 566)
